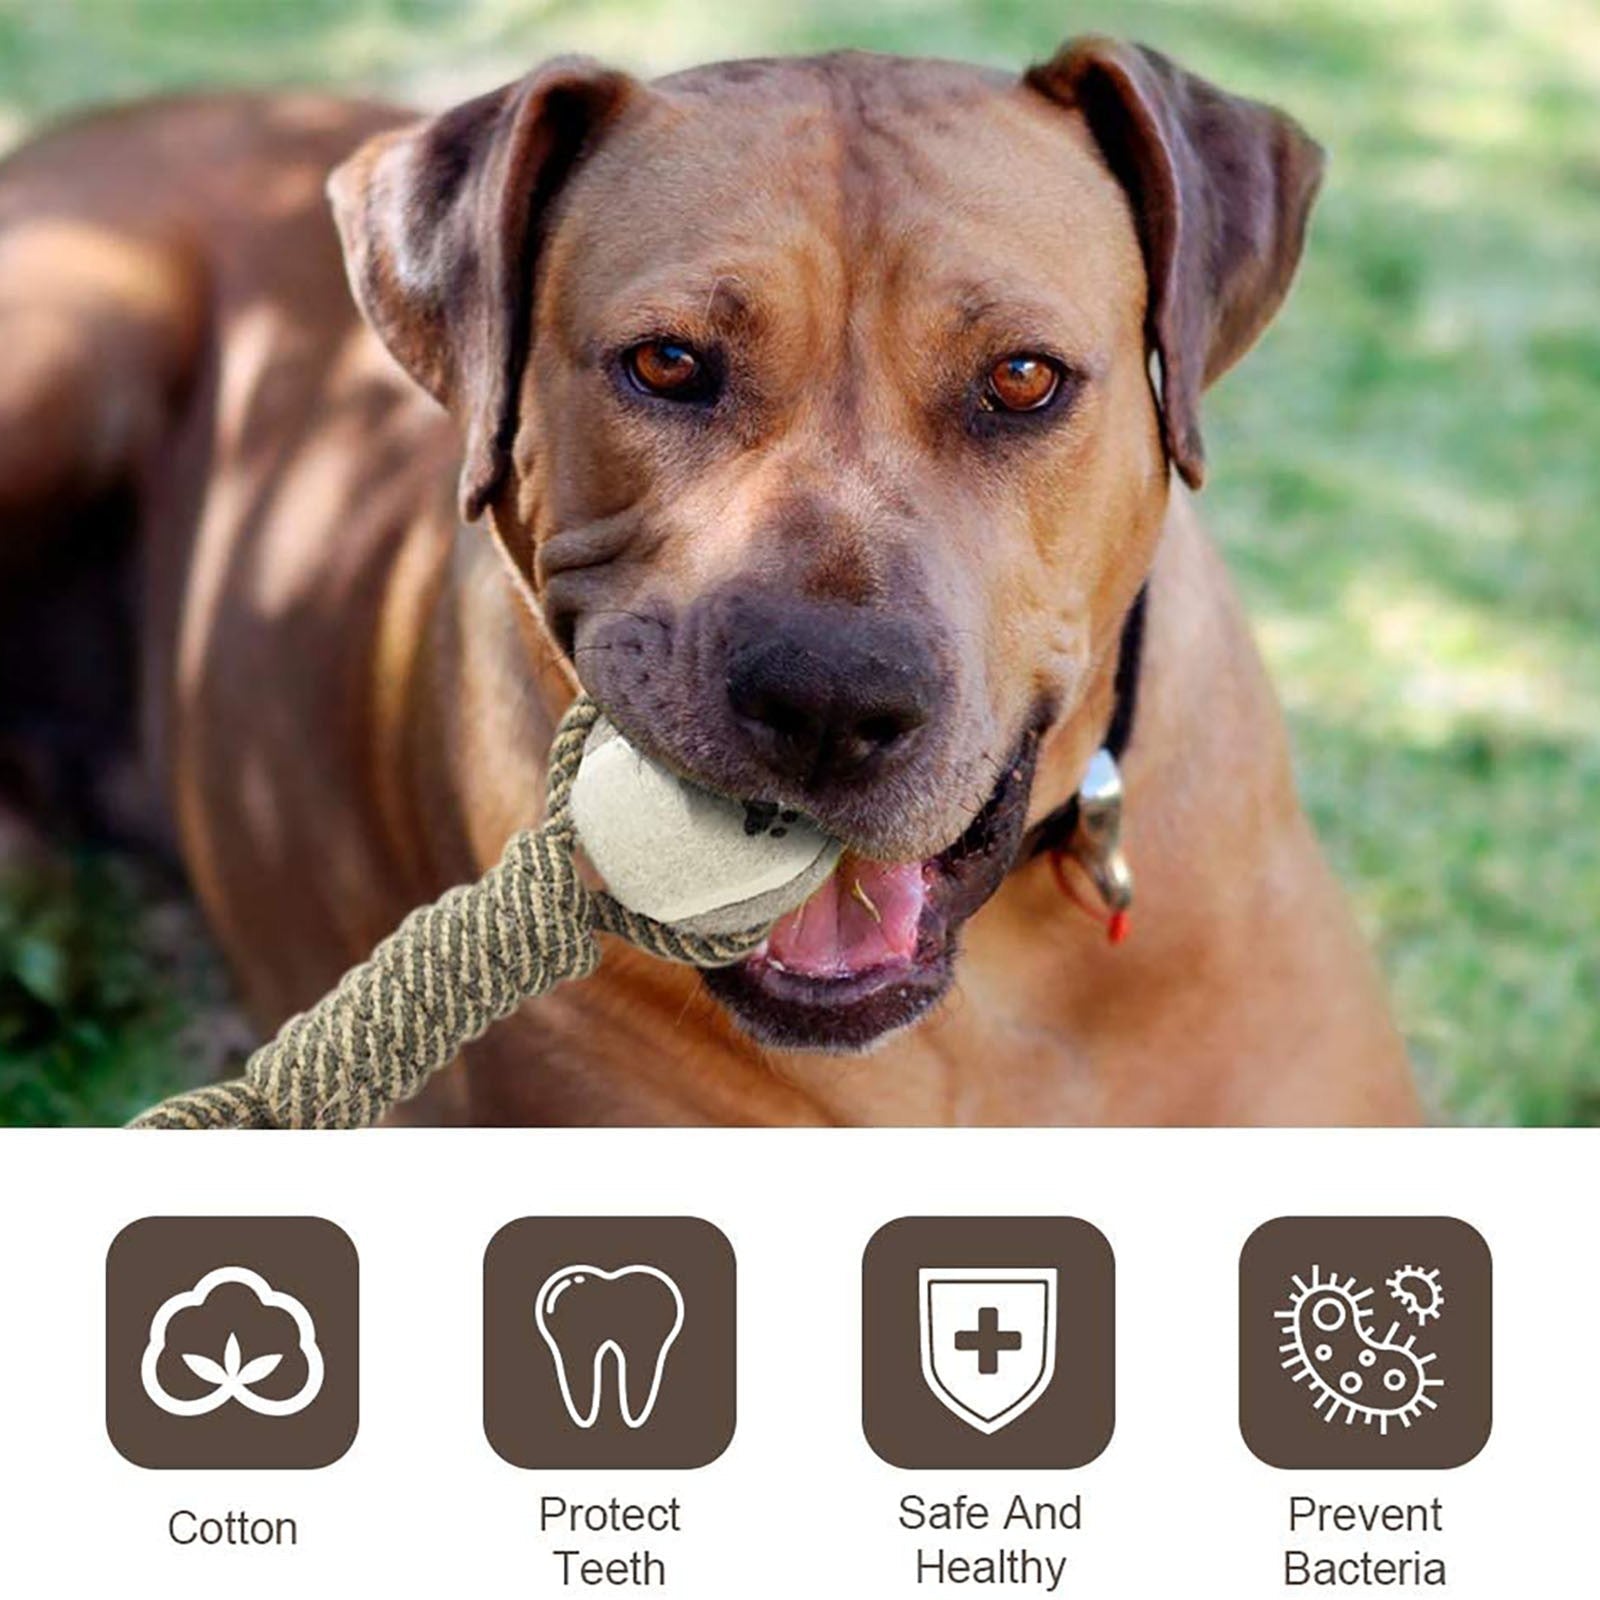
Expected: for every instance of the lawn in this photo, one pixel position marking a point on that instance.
(1403, 474)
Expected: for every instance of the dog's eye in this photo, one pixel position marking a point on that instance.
(1021, 383)
(668, 369)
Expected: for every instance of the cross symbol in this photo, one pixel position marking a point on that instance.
(988, 1340)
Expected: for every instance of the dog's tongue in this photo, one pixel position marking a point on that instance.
(865, 916)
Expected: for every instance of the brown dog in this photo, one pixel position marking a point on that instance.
(825, 415)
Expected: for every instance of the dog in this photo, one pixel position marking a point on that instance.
(835, 423)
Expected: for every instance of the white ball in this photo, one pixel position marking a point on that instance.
(673, 851)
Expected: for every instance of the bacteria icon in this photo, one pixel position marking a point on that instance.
(1354, 1373)
(1418, 1289)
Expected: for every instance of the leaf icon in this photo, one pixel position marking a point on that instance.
(205, 1367)
(232, 1356)
(261, 1367)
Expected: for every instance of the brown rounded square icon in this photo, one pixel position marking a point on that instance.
(609, 1342)
(1365, 1342)
(232, 1342)
(988, 1342)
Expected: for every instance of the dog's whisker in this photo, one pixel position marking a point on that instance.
(637, 616)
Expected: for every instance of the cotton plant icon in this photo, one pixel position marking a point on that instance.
(233, 1377)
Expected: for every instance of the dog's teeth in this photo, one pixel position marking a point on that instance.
(865, 899)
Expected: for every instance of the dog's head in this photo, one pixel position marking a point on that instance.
(827, 409)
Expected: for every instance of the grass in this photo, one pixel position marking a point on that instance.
(95, 1025)
(1404, 473)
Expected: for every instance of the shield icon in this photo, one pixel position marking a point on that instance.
(988, 1340)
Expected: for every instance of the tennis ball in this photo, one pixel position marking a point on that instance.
(670, 850)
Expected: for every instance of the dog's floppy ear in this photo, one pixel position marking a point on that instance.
(1221, 188)
(441, 222)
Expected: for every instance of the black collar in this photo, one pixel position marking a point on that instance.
(1056, 830)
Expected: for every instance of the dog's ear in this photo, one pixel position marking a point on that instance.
(1221, 188)
(441, 224)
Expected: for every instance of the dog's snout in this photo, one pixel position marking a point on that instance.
(824, 697)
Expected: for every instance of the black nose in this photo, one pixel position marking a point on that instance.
(824, 695)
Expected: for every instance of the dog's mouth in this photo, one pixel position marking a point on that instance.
(875, 947)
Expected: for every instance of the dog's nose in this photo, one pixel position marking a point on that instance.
(824, 699)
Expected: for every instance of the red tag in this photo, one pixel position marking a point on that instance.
(1118, 925)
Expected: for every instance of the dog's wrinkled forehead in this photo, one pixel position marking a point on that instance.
(934, 179)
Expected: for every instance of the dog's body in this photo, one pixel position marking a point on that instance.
(348, 693)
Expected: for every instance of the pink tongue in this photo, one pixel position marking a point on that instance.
(865, 916)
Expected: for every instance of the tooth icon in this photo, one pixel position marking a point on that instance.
(633, 1314)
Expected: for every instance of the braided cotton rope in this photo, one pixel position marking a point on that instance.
(441, 978)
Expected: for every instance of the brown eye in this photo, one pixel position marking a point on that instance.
(666, 368)
(1021, 383)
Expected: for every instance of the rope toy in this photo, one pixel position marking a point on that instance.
(693, 878)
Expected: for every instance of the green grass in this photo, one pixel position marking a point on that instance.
(91, 1029)
(1403, 474)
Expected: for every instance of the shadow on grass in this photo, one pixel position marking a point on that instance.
(111, 996)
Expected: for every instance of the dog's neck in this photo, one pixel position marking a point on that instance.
(1056, 832)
